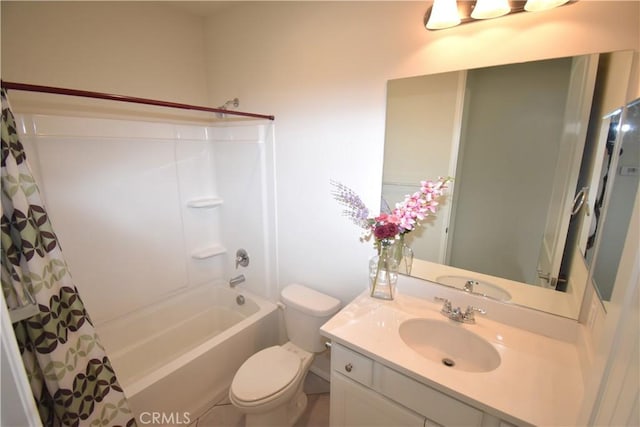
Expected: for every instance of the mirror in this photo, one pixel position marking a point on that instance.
(601, 180)
(623, 176)
(508, 136)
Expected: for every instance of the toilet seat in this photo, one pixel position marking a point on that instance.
(265, 374)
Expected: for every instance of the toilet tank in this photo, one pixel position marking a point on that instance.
(306, 310)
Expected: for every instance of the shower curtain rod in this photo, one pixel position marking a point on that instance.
(123, 98)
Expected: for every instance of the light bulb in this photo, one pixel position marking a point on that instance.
(486, 9)
(538, 5)
(444, 14)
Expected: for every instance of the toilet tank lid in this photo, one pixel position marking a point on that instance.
(309, 301)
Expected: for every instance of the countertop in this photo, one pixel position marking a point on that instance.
(538, 382)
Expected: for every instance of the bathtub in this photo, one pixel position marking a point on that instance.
(176, 358)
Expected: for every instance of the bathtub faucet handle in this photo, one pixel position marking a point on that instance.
(242, 258)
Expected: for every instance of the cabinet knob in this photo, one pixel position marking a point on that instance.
(348, 367)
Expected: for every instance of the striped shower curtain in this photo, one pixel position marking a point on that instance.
(71, 377)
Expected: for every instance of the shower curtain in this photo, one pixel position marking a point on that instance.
(70, 375)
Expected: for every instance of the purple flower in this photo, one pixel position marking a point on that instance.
(355, 210)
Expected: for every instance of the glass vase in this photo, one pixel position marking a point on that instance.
(403, 254)
(383, 274)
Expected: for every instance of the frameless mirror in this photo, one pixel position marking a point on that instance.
(513, 137)
(624, 174)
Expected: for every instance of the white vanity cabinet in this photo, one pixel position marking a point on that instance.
(367, 393)
(355, 405)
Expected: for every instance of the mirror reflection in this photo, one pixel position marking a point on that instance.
(624, 172)
(513, 137)
(601, 180)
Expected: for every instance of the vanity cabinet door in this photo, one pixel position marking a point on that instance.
(354, 405)
(425, 400)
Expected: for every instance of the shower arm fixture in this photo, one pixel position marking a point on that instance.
(235, 102)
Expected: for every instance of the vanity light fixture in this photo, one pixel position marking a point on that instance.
(449, 13)
(540, 5)
(444, 14)
(487, 9)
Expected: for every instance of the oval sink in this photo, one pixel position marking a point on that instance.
(449, 344)
(479, 288)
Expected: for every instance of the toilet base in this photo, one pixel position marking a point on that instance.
(284, 415)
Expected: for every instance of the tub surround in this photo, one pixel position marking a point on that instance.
(538, 381)
(124, 180)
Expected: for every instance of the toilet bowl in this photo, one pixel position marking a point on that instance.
(268, 387)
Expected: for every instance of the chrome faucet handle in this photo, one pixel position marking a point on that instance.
(457, 315)
(446, 307)
(469, 285)
(469, 314)
(242, 258)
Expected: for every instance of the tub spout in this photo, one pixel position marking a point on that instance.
(235, 281)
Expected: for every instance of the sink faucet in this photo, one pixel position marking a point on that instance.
(235, 281)
(468, 316)
(468, 286)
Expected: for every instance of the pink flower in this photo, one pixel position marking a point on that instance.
(404, 218)
(384, 218)
(381, 218)
(419, 205)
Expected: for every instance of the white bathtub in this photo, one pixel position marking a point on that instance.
(178, 357)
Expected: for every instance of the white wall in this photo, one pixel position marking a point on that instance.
(322, 69)
(129, 48)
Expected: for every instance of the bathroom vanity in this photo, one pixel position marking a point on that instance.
(402, 363)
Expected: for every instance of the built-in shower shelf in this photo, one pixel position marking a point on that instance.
(209, 252)
(208, 202)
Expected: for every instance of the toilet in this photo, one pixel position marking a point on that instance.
(268, 385)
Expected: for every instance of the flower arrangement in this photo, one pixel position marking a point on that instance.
(404, 218)
(390, 227)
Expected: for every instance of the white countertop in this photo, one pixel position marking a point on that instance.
(538, 381)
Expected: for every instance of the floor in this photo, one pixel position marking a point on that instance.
(224, 414)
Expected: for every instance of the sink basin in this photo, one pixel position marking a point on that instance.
(450, 344)
(480, 288)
